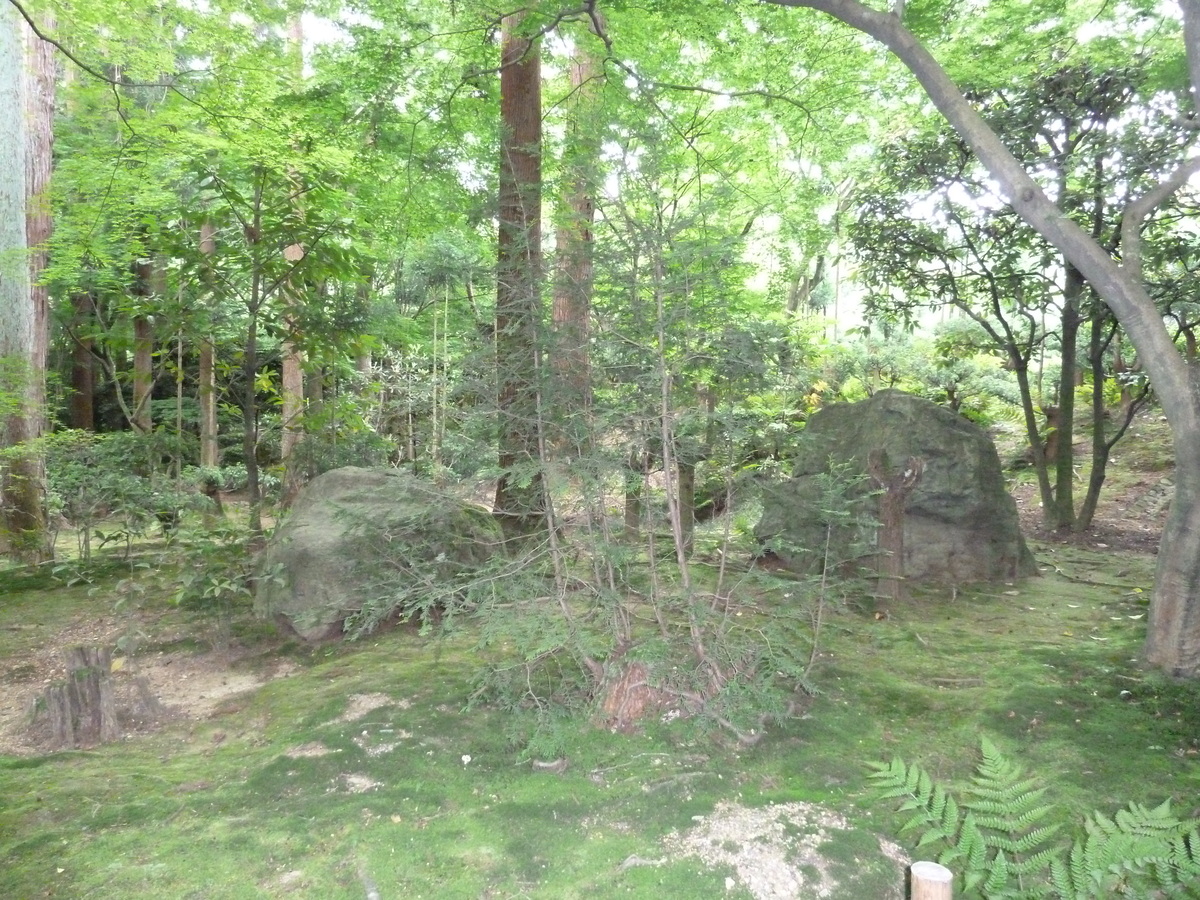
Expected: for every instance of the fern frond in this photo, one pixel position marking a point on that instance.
(998, 875)
(1004, 841)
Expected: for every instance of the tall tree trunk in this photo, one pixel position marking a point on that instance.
(291, 406)
(291, 382)
(1100, 443)
(143, 374)
(26, 108)
(520, 502)
(1036, 448)
(149, 284)
(210, 447)
(1173, 638)
(81, 411)
(1103, 333)
(573, 244)
(249, 399)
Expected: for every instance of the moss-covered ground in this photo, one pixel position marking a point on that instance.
(420, 798)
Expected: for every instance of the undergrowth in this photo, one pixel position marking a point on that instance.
(1005, 841)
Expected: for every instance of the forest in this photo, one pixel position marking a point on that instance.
(581, 273)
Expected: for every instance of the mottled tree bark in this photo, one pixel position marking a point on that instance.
(520, 504)
(26, 136)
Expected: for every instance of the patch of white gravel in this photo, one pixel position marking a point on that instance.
(351, 783)
(774, 849)
(361, 704)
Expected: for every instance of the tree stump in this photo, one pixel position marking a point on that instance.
(931, 881)
(83, 711)
(628, 697)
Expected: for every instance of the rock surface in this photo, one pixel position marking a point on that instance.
(358, 539)
(960, 523)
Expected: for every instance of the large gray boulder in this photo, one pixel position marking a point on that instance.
(960, 522)
(364, 544)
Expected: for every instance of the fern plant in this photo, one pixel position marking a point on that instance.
(1005, 841)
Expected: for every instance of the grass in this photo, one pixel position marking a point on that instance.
(420, 798)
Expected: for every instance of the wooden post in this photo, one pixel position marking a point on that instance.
(931, 881)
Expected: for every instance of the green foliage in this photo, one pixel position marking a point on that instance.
(211, 571)
(623, 634)
(429, 562)
(111, 486)
(1003, 841)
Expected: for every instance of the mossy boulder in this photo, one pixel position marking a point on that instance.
(960, 524)
(363, 545)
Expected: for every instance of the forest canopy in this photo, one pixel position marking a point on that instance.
(587, 257)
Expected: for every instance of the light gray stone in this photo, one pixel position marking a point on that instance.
(355, 535)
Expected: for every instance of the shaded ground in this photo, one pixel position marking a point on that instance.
(1133, 509)
(394, 767)
(153, 686)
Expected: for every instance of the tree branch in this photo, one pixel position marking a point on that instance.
(1127, 296)
(1136, 213)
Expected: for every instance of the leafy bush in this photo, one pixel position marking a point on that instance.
(626, 635)
(213, 571)
(1004, 840)
(112, 480)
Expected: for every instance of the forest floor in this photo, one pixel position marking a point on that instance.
(252, 766)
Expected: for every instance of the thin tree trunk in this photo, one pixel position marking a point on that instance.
(250, 366)
(1034, 434)
(635, 485)
(143, 374)
(1102, 441)
(686, 489)
(291, 382)
(895, 489)
(1064, 458)
(81, 406)
(210, 449)
(291, 407)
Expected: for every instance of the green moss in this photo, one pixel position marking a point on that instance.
(1047, 672)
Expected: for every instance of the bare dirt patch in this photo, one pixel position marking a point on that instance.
(1129, 518)
(779, 851)
(362, 704)
(152, 688)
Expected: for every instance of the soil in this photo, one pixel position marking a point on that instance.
(151, 687)
(1130, 518)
